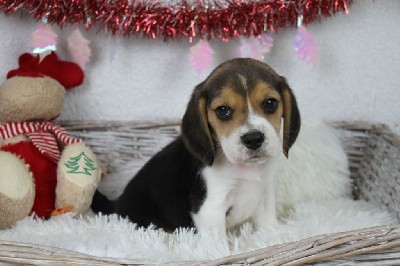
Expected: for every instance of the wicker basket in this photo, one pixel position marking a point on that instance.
(374, 156)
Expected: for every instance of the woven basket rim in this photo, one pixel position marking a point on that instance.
(371, 239)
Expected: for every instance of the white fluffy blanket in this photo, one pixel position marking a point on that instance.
(313, 190)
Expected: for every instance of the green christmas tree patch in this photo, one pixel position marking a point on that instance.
(80, 164)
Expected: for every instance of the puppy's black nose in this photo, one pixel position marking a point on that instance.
(253, 140)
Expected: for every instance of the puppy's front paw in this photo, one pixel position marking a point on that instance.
(265, 222)
(78, 175)
(214, 233)
(211, 223)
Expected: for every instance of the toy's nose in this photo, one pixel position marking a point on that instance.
(253, 140)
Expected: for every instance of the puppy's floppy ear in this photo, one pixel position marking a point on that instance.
(195, 130)
(291, 117)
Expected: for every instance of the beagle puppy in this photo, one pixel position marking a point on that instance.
(220, 171)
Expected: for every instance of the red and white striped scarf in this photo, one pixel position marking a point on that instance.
(44, 136)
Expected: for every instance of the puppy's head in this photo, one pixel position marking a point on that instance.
(239, 109)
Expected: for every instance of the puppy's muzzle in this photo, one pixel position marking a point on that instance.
(253, 140)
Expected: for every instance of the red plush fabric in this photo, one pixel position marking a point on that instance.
(67, 73)
(27, 67)
(44, 173)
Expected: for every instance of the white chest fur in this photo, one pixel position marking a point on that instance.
(236, 193)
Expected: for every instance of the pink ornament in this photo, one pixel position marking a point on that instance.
(201, 56)
(255, 47)
(79, 48)
(265, 43)
(306, 47)
(248, 48)
(43, 39)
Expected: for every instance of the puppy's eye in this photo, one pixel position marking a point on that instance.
(224, 112)
(270, 105)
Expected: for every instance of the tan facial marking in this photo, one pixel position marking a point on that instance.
(237, 103)
(258, 94)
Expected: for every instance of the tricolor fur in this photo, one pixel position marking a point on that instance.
(220, 171)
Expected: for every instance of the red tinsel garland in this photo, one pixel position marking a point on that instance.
(209, 19)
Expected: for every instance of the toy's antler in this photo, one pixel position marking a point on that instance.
(27, 67)
(67, 73)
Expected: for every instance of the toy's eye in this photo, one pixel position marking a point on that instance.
(270, 105)
(224, 112)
